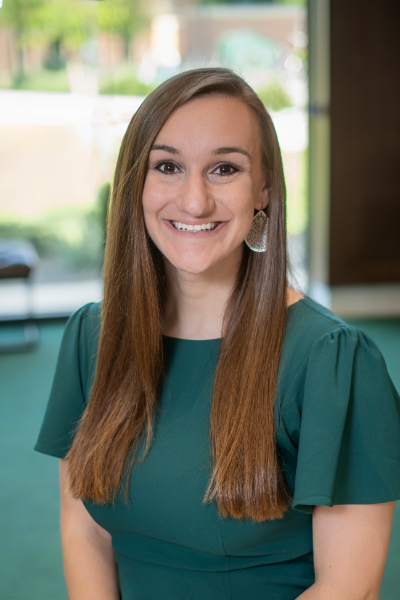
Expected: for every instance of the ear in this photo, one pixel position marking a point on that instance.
(263, 199)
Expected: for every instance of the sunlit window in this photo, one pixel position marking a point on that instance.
(72, 73)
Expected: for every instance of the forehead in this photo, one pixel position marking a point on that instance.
(212, 121)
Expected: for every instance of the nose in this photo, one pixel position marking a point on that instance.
(195, 198)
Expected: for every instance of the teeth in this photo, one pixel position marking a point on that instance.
(194, 228)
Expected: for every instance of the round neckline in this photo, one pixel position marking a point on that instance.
(170, 337)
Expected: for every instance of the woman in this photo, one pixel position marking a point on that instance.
(240, 440)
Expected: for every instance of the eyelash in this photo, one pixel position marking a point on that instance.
(161, 164)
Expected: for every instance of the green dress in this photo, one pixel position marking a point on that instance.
(338, 435)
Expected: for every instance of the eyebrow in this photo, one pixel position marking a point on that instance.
(166, 148)
(224, 150)
(232, 149)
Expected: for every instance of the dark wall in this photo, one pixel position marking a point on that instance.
(365, 141)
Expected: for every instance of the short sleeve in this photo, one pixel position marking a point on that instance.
(67, 397)
(349, 439)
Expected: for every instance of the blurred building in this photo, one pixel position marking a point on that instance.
(201, 26)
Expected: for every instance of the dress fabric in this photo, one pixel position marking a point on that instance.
(337, 418)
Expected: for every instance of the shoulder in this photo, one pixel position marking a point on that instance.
(92, 310)
(307, 322)
(85, 321)
(328, 366)
(80, 341)
(317, 343)
(309, 313)
(339, 412)
(72, 380)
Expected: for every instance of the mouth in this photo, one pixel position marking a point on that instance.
(195, 228)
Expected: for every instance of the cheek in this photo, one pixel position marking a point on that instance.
(242, 207)
(153, 199)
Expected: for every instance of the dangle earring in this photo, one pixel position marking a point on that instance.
(257, 238)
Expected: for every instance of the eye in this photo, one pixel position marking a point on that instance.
(225, 169)
(168, 168)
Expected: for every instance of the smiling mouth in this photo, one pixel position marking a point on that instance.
(195, 228)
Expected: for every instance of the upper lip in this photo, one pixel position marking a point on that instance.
(189, 222)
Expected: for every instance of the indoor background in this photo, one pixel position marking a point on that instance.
(72, 73)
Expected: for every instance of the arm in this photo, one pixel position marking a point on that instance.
(89, 565)
(350, 547)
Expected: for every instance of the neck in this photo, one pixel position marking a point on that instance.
(196, 302)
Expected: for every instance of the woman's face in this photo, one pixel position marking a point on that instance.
(203, 183)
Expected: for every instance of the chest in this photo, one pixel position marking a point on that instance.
(166, 490)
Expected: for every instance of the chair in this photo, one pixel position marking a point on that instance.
(17, 261)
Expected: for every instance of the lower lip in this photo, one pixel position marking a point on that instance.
(195, 234)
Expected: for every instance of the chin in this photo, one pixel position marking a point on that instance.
(190, 262)
(202, 261)
(191, 266)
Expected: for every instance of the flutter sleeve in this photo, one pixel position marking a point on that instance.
(67, 397)
(349, 439)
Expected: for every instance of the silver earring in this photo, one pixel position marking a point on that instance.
(257, 238)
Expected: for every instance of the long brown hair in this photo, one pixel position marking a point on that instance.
(246, 480)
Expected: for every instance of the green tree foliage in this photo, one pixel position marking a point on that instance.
(20, 16)
(121, 17)
(70, 237)
(48, 23)
(125, 85)
(274, 96)
(41, 22)
(68, 23)
(71, 21)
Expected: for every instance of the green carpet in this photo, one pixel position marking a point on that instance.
(30, 555)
